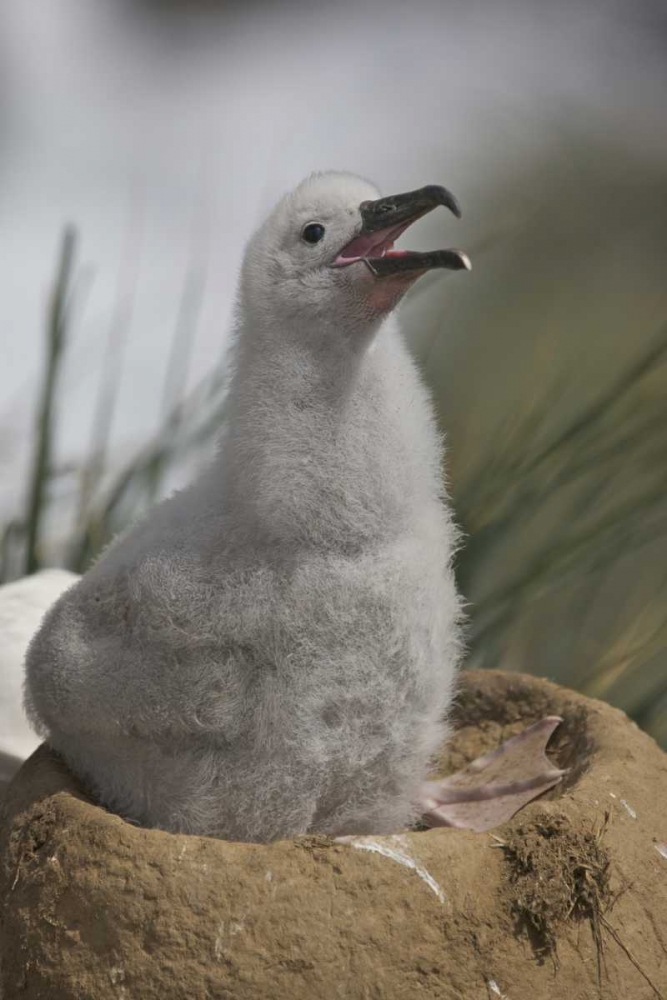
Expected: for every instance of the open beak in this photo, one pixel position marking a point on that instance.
(383, 221)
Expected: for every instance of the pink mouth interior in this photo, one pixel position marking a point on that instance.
(377, 244)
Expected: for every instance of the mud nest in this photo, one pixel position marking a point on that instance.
(566, 900)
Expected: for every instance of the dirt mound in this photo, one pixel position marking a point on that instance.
(569, 899)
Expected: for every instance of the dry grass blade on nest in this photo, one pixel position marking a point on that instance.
(557, 874)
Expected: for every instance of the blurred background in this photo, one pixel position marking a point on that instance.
(141, 142)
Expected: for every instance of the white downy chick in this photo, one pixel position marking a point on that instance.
(272, 651)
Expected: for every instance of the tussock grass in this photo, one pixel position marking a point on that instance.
(37, 499)
(592, 497)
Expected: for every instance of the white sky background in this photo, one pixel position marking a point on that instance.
(106, 116)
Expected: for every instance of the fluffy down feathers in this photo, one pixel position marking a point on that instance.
(272, 650)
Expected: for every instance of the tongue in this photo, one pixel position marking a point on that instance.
(368, 244)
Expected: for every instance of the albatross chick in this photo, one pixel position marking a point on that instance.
(272, 650)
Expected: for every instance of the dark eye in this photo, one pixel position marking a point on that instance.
(313, 232)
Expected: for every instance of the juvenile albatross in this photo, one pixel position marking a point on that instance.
(272, 650)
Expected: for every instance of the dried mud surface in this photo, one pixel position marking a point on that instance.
(568, 899)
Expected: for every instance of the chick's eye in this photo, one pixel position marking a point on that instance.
(313, 232)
